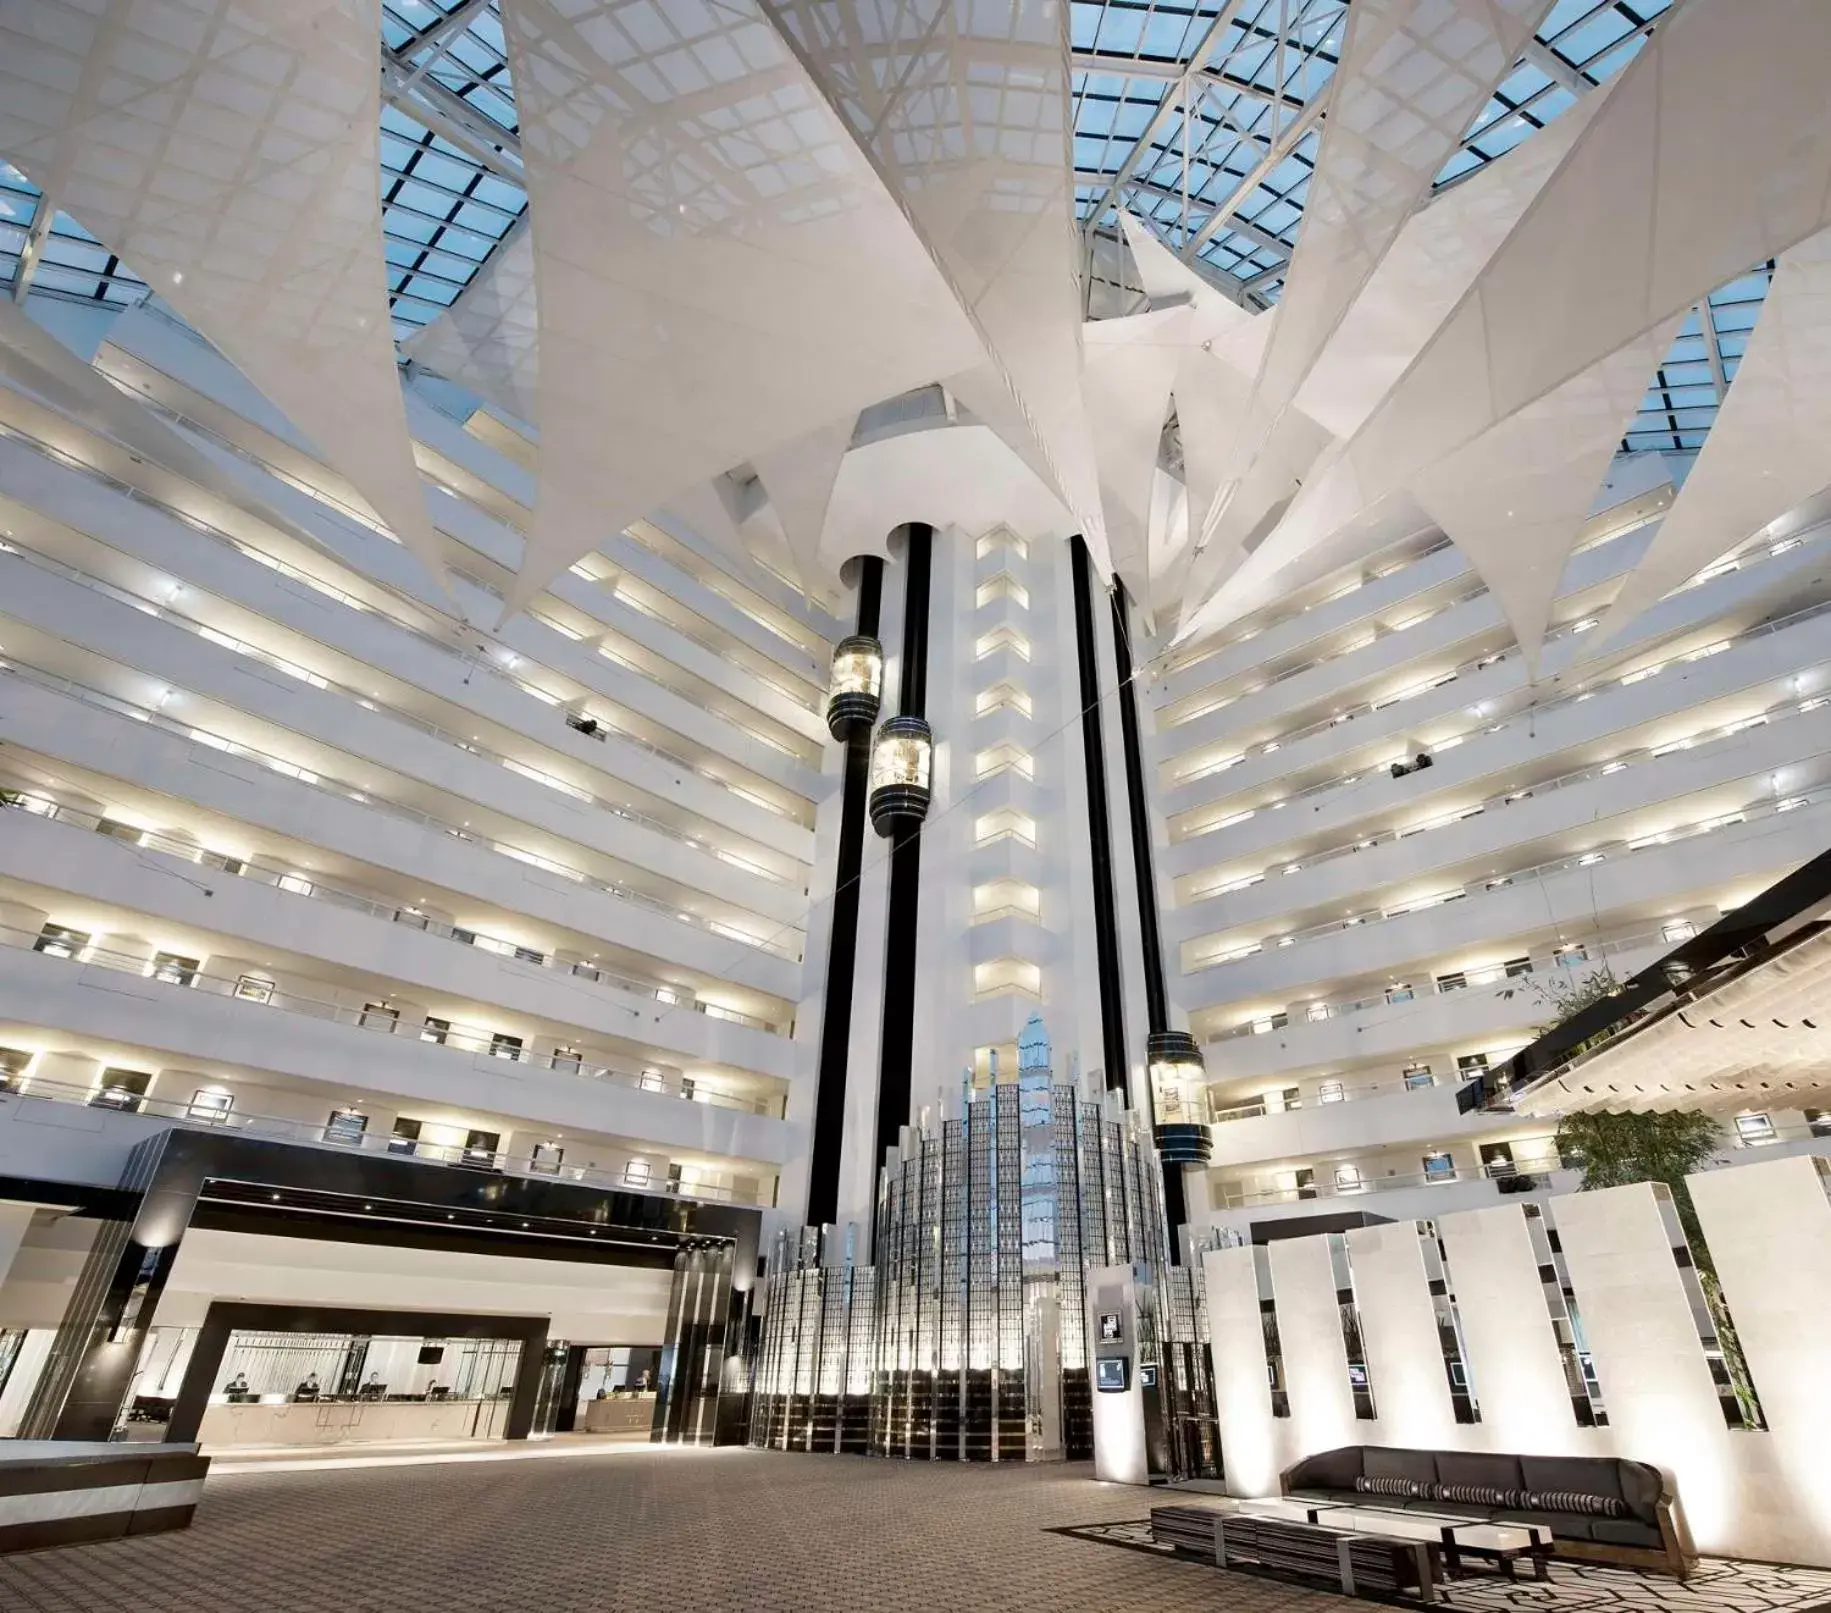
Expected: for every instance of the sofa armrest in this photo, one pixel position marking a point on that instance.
(1675, 1535)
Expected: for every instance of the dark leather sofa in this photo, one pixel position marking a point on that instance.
(1601, 1508)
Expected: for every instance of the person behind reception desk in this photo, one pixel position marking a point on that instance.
(238, 1391)
(308, 1390)
(373, 1389)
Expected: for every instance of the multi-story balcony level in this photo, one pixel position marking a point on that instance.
(1374, 902)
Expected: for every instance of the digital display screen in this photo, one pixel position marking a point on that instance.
(1110, 1374)
(1112, 1331)
(431, 1354)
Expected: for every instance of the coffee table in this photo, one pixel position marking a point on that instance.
(1501, 1543)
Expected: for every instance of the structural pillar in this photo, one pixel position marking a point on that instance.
(898, 803)
(1171, 1055)
(850, 713)
(1099, 822)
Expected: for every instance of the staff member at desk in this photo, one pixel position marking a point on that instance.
(238, 1391)
(308, 1390)
(373, 1389)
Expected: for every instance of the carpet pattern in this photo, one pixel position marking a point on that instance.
(1718, 1585)
(640, 1531)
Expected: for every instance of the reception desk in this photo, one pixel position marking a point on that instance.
(340, 1422)
(629, 1415)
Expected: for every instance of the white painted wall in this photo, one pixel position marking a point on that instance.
(1744, 1493)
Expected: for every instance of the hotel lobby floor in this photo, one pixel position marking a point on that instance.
(686, 1530)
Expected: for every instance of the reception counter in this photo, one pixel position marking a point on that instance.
(630, 1415)
(338, 1422)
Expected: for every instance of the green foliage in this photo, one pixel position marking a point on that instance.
(1568, 995)
(1613, 1150)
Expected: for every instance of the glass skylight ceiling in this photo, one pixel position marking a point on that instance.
(1199, 115)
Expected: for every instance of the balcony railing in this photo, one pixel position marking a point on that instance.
(381, 1018)
(1199, 652)
(1474, 591)
(1582, 692)
(317, 781)
(473, 664)
(42, 804)
(1606, 851)
(1520, 1178)
(1317, 1012)
(696, 840)
(1781, 711)
(636, 1174)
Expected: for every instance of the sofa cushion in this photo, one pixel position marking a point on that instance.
(1642, 1484)
(1328, 1470)
(1626, 1532)
(1563, 1525)
(1493, 1471)
(1595, 1506)
(1390, 1462)
(1450, 1509)
(1483, 1495)
(1587, 1475)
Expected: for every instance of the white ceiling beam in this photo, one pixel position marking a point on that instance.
(1555, 68)
(1161, 72)
(437, 38)
(31, 249)
(1198, 59)
(1275, 153)
(452, 118)
(1713, 349)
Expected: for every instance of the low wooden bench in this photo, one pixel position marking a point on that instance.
(1361, 1564)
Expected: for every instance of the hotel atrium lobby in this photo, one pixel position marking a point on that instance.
(873, 804)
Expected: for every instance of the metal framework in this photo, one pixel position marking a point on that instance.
(1203, 117)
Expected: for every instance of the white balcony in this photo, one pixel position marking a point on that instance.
(108, 996)
(130, 743)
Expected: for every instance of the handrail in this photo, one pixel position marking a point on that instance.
(1239, 1199)
(1361, 1005)
(635, 1176)
(316, 781)
(304, 674)
(1278, 620)
(1374, 635)
(1626, 759)
(618, 658)
(1576, 695)
(1482, 887)
(806, 697)
(719, 583)
(286, 569)
(44, 804)
(381, 1018)
(337, 506)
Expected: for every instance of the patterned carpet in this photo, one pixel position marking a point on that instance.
(649, 1531)
(1718, 1585)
